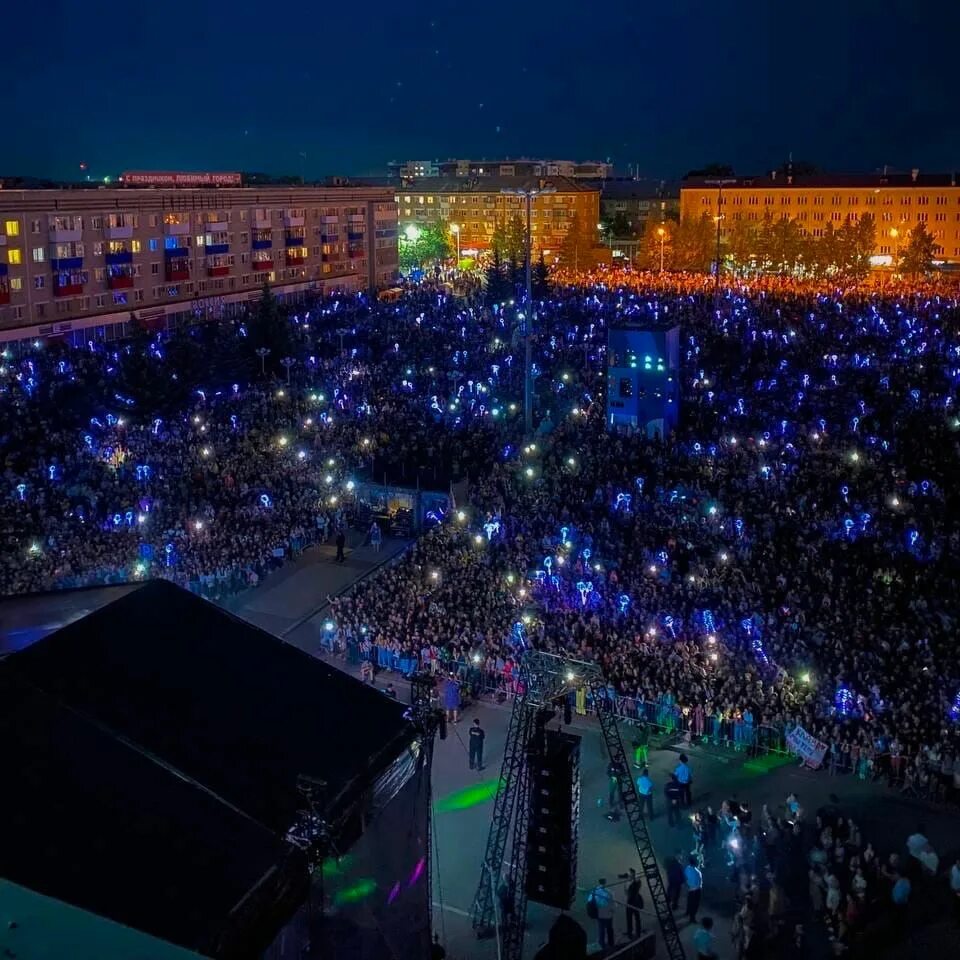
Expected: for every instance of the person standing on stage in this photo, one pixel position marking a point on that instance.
(476, 745)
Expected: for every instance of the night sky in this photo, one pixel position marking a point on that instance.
(846, 84)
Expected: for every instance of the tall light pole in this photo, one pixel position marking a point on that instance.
(455, 230)
(662, 234)
(528, 194)
(719, 184)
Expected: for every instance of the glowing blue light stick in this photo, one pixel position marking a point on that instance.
(265, 500)
(52, 472)
(22, 491)
(668, 623)
(555, 582)
(564, 534)
(586, 554)
(548, 563)
(623, 601)
(491, 527)
(585, 589)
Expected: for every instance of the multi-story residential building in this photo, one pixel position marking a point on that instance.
(897, 203)
(75, 259)
(519, 167)
(417, 168)
(472, 208)
(639, 202)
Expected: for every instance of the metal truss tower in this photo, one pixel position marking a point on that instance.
(544, 679)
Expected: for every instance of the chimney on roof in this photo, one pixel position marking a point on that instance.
(790, 180)
(773, 174)
(914, 173)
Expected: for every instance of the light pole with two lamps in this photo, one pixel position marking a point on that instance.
(528, 194)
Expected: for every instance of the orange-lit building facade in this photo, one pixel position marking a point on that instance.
(74, 259)
(474, 208)
(897, 203)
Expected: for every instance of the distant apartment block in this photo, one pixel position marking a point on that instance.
(75, 259)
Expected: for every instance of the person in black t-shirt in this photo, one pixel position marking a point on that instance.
(634, 905)
(476, 745)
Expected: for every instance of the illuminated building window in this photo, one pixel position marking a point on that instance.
(39, 255)
(12, 228)
(135, 246)
(16, 283)
(13, 256)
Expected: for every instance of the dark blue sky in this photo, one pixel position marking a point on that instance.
(847, 84)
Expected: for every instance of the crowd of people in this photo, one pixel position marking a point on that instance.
(786, 557)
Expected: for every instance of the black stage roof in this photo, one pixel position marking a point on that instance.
(92, 821)
(226, 703)
(152, 752)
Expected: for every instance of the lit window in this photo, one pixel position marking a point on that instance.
(135, 246)
(38, 254)
(13, 256)
(16, 283)
(12, 228)
(154, 244)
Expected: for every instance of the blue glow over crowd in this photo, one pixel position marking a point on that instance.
(788, 555)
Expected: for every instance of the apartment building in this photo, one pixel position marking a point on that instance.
(518, 167)
(639, 202)
(897, 203)
(472, 208)
(74, 259)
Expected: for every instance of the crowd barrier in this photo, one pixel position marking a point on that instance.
(661, 718)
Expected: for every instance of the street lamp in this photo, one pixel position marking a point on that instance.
(719, 184)
(263, 353)
(662, 234)
(412, 232)
(895, 233)
(455, 230)
(528, 194)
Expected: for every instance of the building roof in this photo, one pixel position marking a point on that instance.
(620, 188)
(227, 704)
(825, 180)
(493, 184)
(98, 823)
(154, 749)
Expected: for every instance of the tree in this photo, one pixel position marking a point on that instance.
(268, 327)
(498, 242)
(917, 257)
(576, 248)
(742, 245)
(541, 278)
(648, 254)
(515, 238)
(863, 241)
(785, 246)
(694, 243)
(496, 284)
(434, 242)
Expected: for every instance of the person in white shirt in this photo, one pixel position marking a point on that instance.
(685, 779)
(645, 792)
